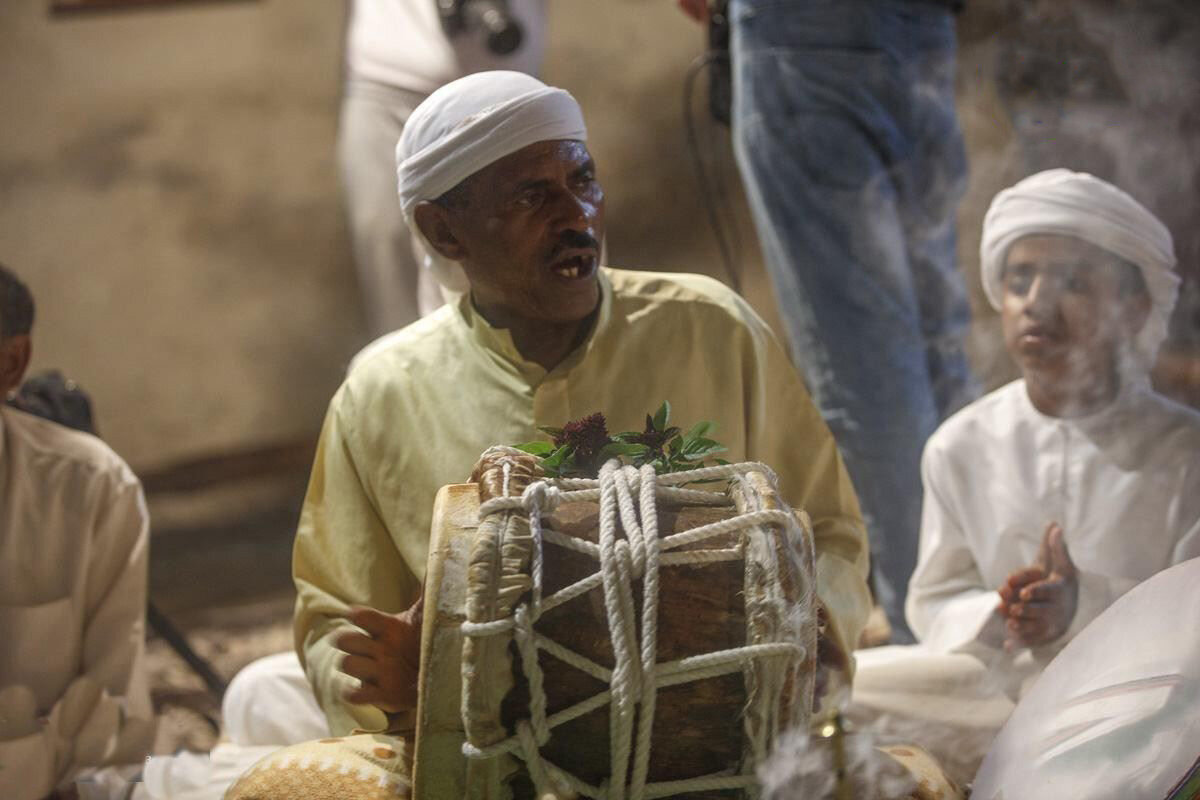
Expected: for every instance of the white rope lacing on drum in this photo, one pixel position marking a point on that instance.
(629, 495)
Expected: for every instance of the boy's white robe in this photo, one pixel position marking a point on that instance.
(1124, 483)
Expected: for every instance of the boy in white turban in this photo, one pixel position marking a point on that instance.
(1052, 496)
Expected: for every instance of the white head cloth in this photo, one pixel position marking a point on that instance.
(1065, 203)
(465, 126)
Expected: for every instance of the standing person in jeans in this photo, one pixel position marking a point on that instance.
(397, 52)
(849, 147)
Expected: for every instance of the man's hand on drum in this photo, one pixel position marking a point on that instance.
(386, 658)
(1039, 601)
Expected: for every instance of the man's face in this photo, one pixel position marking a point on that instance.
(530, 232)
(14, 358)
(1067, 308)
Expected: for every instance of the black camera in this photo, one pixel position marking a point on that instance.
(492, 17)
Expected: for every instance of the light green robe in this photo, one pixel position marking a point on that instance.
(420, 405)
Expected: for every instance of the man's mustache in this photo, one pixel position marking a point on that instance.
(574, 240)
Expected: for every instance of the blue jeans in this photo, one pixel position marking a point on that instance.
(849, 147)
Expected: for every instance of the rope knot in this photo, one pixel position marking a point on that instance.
(631, 548)
(541, 495)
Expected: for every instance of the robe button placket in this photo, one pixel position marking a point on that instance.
(550, 402)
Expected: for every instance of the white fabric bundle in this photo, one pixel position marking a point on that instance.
(1116, 715)
(467, 125)
(1065, 203)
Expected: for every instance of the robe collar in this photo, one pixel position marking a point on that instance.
(1130, 392)
(498, 342)
(1119, 429)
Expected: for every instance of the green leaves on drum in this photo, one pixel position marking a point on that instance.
(580, 447)
(667, 448)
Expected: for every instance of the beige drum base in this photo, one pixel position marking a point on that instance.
(364, 767)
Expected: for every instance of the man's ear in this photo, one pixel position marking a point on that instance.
(15, 352)
(433, 220)
(1135, 310)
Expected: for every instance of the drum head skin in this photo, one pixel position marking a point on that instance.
(1116, 716)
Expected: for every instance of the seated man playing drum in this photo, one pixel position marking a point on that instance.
(496, 176)
(1052, 496)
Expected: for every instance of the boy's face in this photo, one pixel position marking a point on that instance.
(1068, 307)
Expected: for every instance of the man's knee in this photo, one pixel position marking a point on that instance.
(270, 702)
(374, 765)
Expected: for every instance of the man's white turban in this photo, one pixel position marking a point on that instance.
(465, 126)
(1065, 203)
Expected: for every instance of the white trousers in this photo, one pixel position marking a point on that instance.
(395, 289)
(950, 704)
(268, 705)
(270, 702)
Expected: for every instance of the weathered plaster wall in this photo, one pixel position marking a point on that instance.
(167, 182)
(167, 188)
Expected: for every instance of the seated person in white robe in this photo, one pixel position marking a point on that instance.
(1049, 498)
(74, 538)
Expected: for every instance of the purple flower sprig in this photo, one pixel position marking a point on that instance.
(580, 447)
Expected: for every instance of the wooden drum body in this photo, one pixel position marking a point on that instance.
(620, 638)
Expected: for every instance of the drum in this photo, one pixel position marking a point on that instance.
(633, 636)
